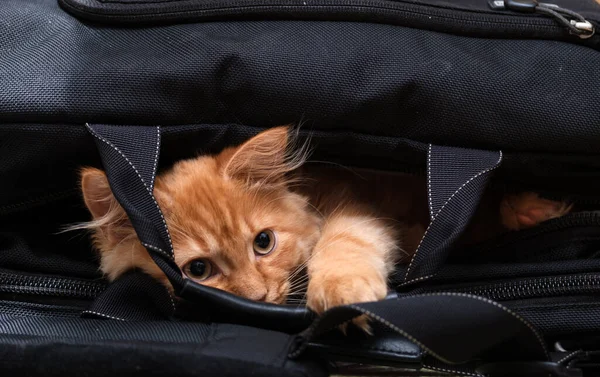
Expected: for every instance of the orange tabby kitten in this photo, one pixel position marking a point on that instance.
(240, 222)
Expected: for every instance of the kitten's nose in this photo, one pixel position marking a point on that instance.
(263, 298)
(253, 288)
(259, 294)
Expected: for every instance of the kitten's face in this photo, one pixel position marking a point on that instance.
(228, 236)
(233, 221)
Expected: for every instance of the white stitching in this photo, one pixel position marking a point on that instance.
(99, 137)
(443, 206)
(452, 371)
(58, 195)
(154, 199)
(155, 158)
(470, 180)
(569, 356)
(428, 350)
(401, 332)
(103, 315)
(431, 216)
(157, 249)
(416, 279)
(158, 136)
(507, 310)
(171, 298)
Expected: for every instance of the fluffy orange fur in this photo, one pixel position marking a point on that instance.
(346, 229)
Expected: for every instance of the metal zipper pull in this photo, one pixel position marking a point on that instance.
(573, 21)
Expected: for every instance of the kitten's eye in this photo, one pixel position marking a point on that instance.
(264, 242)
(198, 269)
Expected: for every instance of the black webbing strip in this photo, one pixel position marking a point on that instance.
(130, 158)
(453, 328)
(456, 179)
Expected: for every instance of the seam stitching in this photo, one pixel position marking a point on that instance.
(451, 371)
(507, 310)
(155, 158)
(479, 174)
(107, 142)
(569, 356)
(431, 215)
(103, 315)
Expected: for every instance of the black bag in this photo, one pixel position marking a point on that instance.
(469, 93)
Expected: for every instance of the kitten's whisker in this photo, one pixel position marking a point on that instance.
(294, 278)
(299, 282)
(299, 288)
(296, 292)
(299, 269)
(299, 279)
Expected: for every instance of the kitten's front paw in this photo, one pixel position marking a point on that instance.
(330, 291)
(527, 209)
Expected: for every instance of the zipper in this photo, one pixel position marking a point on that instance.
(575, 23)
(477, 22)
(572, 220)
(567, 285)
(39, 285)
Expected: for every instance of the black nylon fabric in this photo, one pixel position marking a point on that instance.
(59, 347)
(462, 17)
(32, 241)
(456, 180)
(375, 79)
(39, 165)
(577, 316)
(485, 271)
(28, 252)
(40, 162)
(97, 329)
(10, 309)
(133, 297)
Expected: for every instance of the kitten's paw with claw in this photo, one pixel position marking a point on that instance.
(527, 209)
(330, 291)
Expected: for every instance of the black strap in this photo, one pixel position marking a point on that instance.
(456, 179)
(453, 328)
(130, 158)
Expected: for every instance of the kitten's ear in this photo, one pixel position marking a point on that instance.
(265, 158)
(97, 194)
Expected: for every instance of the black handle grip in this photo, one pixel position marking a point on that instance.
(235, 309)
